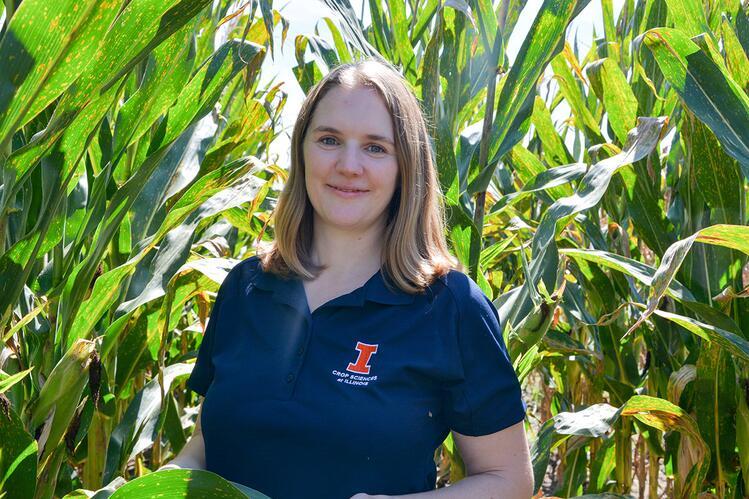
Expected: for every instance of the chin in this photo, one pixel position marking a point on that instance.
(348, 223)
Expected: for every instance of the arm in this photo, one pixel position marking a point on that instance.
(192, 454)
(498, 465)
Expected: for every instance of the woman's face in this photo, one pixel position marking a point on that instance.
(351, 169)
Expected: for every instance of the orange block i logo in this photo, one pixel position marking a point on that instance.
(361, 366)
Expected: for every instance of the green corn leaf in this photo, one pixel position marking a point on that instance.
(742, 30)
(266, 10)
(352, 28)
(602, 467)
(492, 253)
(538, 48)
(513, 11)
(16, 263)
(208, 82)
(447, 164)
(340, 45)
(609, 29)
(105, 290)
(132, 347)
(548, 179)
(399, 24)
(733, 343)
(423, 21)
(173, 426)
(211, 194)
(711, 94)
(644, 207)
(18, 457)
(167, 71)
(45, 48)
(525, 164)
(641, 141)
(736, 59)
(430, 72)
(185, 483)
(128, 41)
(139, 28)
(715, 388)
(742, 429)
(640, 271)
(320, 47)
(555, 152)
(729, 236)
(7, 381)
(612, 89)
(141, 422)
(194, 278)
(479, 180)
(488, 27)
(688, 16)
(546, 440)
(717, 175)
(570, 90)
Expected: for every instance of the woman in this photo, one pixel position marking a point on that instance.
(334, 364)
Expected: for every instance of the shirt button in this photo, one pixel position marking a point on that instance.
(289, 378)
(300, 351)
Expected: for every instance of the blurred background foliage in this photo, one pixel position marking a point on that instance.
(137, 169)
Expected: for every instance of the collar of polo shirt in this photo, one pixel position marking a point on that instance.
(291, 291)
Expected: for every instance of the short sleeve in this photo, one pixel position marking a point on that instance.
(488, 397)
(202, 374)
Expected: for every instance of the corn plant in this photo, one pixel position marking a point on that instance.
(134, 143)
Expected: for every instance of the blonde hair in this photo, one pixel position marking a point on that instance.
(414, 248)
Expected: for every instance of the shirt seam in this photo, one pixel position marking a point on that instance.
(460, 359)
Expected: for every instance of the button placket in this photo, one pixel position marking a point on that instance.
(293, 377)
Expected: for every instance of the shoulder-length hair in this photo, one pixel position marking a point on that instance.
(414, 248)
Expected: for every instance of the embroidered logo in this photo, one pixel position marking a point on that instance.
(362, 361)
(360, 367)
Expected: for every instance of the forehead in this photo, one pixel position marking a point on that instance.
(352, 107)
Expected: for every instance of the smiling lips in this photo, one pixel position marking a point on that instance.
(347, 192)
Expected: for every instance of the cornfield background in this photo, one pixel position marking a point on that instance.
(136, 171)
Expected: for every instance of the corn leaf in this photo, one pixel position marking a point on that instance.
(45, 48)
(18, 457)
(711, 94)
(141, 422)
(185, 483)
(540, 45)
(729, 236)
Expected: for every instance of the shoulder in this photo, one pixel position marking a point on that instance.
(243, 273)
(463, 291)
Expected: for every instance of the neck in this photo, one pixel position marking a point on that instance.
(348, 252)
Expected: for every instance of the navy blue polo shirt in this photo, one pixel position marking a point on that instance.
(354, 397)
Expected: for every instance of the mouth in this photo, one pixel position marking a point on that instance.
(347, 190)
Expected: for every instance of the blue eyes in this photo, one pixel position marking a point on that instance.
(373, 148)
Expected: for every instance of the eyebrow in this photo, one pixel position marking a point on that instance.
(370, 136)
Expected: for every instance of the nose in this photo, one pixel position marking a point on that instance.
(349, 161)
